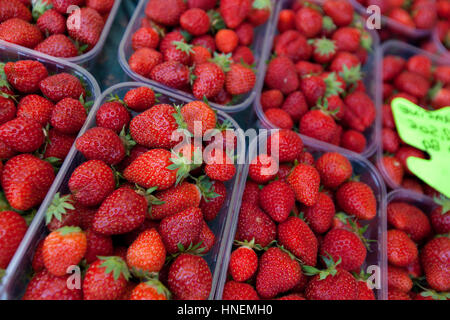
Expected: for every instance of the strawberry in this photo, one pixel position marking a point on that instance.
(330, 284)
(92, 182)
(405, 152)
(62, 85)
(51, 22)
(435, 262)
(357, 117)
(38, 260)
(287, 142)
(424, 15)
(35, 107)
(26, 180)
(219, 166)
(364, 292)
(190, 278)
(206, 41)
(164, 12)
(211, 206)
(239, 79)
(8, 110)
(305, 182)
(281, 75)
(420, 64)
(234, 290)
(320, 216)
(440, 216)
(234, 12)
(14, 9)
(243, 262)
(62, 5)
(209, 80)
(334, 169)
(254, 224)
(277, 199)
(262, 168)
(286, 20)
(202, 4)
(170, 73)
(226, 40)
(22, 134)
(318, 124)
(324, 49)
(68, 116)
(340, 11)
(412, 83)
(305, 68)
(13, 227)
(140, 99)
(401, 16)
(20, 32)
(295, 105)
(308, 21)
(147, 253)
(144, 60)
(6, 151)
(179, 51)
(251, 193)
(58, 45)
(85, 25)
(293, 45)
(399, 279)
(150, 290)
(102, 6)
(390, 140)
(394, 169)
(25, 75)
(347, 39)
(401, 249)
(105, 279)
(412, 184)
(200, 55)
(198, 111)
(62, 212)
(392, 67)
(121, 212)
(150, 170)
(440, 96)
(145, 38)
(342, 59)
(278, 272)
(271, 99)
(279, 118)
(245, 33)
(306, 158)
(112, 115)
(181, 230)
(353, 140)
(63, 248)
(409, 219)
(357, 198)
(395, 294)
(296, 236)
(98, 245)
(46, 286)
(195, 21)
(206, 238)
(58, 145)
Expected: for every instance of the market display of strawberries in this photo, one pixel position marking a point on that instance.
(136, 218)
(443, 25)
(314, 81)
(54, 27)
(418, 80)
(299, 233)
(40, 116)
(418, 247)
(200, 46)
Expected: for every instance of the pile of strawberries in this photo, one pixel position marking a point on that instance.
(443, 25)
(299, 234)
(418, 251)
(314, 81)
(199, 46)
(136, 216)
(40, 116)
(424, 84)
(48, 26)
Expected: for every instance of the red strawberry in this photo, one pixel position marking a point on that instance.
(243, 262)
(347, 39)
(279, 118)
(409, 219)
(63, 248)
(288, 144)
(435, 261)
(364, 292)
(25, 75)
(62, 85)
(58, 45)
(392, 66)
(296, 236)
(165, 12)
(308, 21)
(320, 216)
(8, 110)
(26, 180)
(62, 212)
(251, 193)
(305, 68)
(171, 74)
(234, 12)
(22, 134)
(234, 290)
(68, 116)
(305, 182)
(202, 4)
(98, 245)
(286, 20)
(263, 168)
(46, 286)
(390, 140)
(105, 279)
(399, 279)
(211, 206)
(58, 145)
(342, 59)
(357, 198)
(295, 105)
(340, 11)
(360, 111)
(206, 238)
(13, 227)
(395, 294)
(150, 290)
(35, 107)
(405, 152)
(51, 22)
(85, 25)
(181, 229)
(318, 124)
(394, 169)
(147, 253)
(281, 75)
(412, 83)
(195, 21)
(144, 60)
(112, 115)
(401, 249)
(200, 55)
(278, 272)
(101, 144)
(254, 224)
(62, 5)
(14, 9)
(102, 6)
(145, 38)
(424, 15)
(440, 216)
(38, 260)
(198, 111)
(239, 79)
(209, 80)
(219, 166)
(140, 99)
(353, 140)
(245, 33)
(324, 50)
(306, 158)
(334, 169)
(440, 96)
(401, 16)
(92, 182)
(6, 151)
(20, 32)
(293, 45)
(277, 199)
(420, 64)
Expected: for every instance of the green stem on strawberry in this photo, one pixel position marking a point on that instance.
(323, 274)
(183, 46)
(444, 202)
(252, 245)
(58, 207)
(216, 21)
(184, 166)
(351, 75)
(206, 187)
(116, 266)
(223, 60)
(328, 24)
(127, 140)
(39, 7)
(159, 287)
(262, 4)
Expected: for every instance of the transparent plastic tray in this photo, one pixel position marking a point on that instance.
(12, 52)
(441, 49)
(261, 49)
(404, 50)
(377, 227)
(20, 268)
(371, 70)
(426, 204)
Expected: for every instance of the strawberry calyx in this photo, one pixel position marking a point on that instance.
(81, 48)
(184, 165)
(7, 95)
(179, 117)
(86, 104)
(150, 197)
(262, 4)
(29, 216)
(328, 24)
(159, 287)
(186, 35)
(67, 230)
(324, 46)
(359, 231)
(183, 46)
(333, 86)
(127, 140)
(343, 217)
(194, 249)
(433, 92)
(216, 21)
(206, 188)
(313, 6)
(223, 61)
(252, 245)
(142, 274)
(39, 7)
(3, 80)
(116, 266)
(58, 207)
(323, 274)
(431, 293)
(351, 75)
(366, 41)
(116, 98)
(322, 105)
(444, 202)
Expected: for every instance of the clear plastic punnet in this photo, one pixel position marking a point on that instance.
(377, 229)
(371, 73)
(12, 52)
(17, 276)
(261, 48)
(441, 49)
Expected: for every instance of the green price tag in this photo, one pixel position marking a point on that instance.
(428, 131)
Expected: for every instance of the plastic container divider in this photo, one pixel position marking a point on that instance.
(377, 227)
(398, 48)
(371, 70)
(426, 204)
(261, 48)
(12, 52)
(21, 264)
(441, 49)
